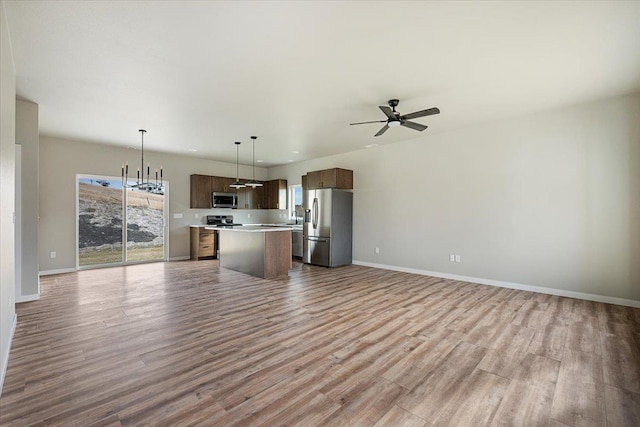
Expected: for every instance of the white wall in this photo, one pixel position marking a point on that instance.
(7, 192)
(27, 135)
(61, 160)
(549, 200)
(18, 223)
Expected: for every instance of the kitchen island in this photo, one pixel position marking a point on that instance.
(260, 251)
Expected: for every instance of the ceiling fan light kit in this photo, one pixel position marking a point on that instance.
(394, 119)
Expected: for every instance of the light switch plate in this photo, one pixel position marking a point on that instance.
(452, 257)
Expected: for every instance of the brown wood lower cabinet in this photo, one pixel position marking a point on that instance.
(203, 243)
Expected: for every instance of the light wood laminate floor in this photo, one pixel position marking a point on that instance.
(187, 343)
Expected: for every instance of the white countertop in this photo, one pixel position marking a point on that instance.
(292, 227)
(251, 228)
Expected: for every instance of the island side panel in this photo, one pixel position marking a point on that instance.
(242, 252)
(277, 254)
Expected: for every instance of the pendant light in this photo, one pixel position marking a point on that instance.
(253, 183)
(149, 186)
(237, 184)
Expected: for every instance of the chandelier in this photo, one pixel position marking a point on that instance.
(150, 186)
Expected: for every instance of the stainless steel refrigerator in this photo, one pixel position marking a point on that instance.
(327, 230)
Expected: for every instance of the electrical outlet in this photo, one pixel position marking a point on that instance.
(457, 258)
(377, 250)
(52, 254)
(248, 215)
(177, 215)
(197, 216)
(452, 257)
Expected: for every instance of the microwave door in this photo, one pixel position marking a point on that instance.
(224, 200)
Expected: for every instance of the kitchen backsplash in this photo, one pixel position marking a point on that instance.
(246, 216)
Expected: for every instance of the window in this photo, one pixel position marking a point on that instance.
(295, 201)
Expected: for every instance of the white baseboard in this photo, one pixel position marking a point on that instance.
(180, 258)
(510, 285)
(5, 359)
(27, 298)
(59, 271)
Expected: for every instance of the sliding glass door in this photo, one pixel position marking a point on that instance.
(145, 225)
(107, 216)
(99, 221)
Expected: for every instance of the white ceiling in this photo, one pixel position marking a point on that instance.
(201, 75)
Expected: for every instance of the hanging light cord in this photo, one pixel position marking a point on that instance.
(142, 132)
(254, 158)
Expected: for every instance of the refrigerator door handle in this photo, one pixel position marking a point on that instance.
(315, 212)
(317, 239)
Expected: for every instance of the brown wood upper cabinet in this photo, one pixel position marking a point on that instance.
(251, 198)
(329, 178)
(203, 185)
(272, 195)
(275, 194)
(222, 184)
(201, 191)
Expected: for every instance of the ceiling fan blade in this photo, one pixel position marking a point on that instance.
(387, 111)
(364, 123)
(428, 112)
(414, 126)
(381, 131)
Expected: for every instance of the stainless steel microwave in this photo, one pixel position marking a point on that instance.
(224, 200)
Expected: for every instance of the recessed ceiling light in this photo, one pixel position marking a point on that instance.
(295, 152)
(289, 160)
(259, 161)
(192, 149)
(370, 145)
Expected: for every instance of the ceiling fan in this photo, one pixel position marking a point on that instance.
(395, 119)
